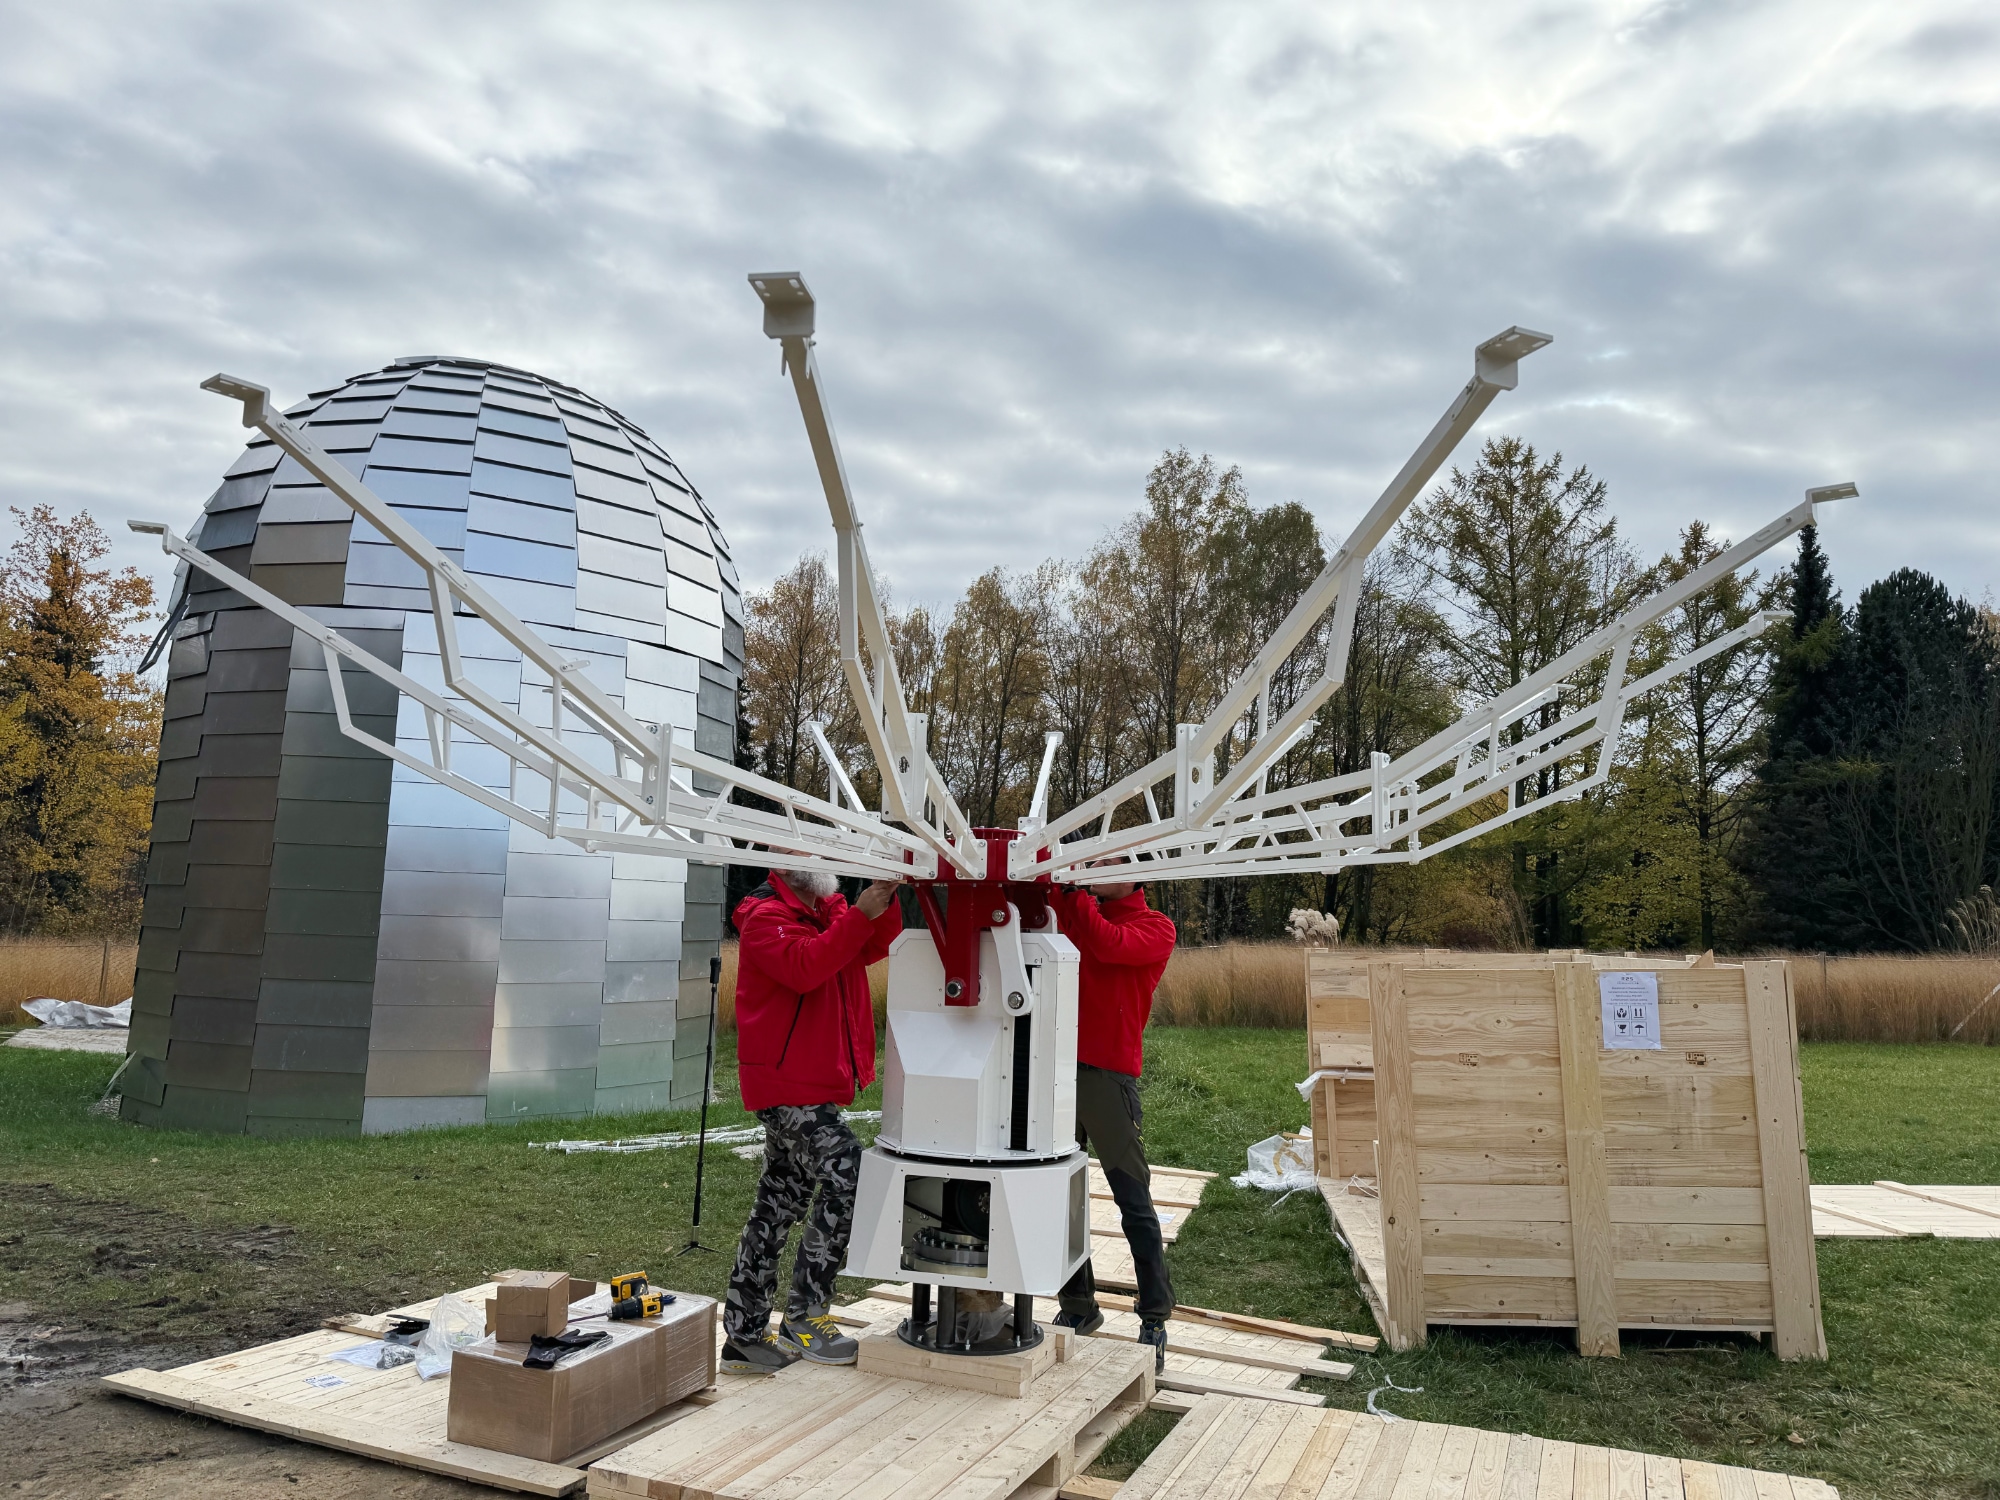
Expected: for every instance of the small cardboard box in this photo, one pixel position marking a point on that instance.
(530, 1303)
(497, 1403)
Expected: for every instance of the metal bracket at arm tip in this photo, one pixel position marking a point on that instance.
(256, 398)
(1497, 361)
(1820, 494)
(148, 528)
(788, 304)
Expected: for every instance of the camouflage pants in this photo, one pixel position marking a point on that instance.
(805, 1146)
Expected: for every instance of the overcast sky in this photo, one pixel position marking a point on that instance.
(1048, 242)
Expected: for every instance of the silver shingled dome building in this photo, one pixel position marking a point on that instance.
(332, 945)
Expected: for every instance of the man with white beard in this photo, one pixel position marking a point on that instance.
(805, 1045)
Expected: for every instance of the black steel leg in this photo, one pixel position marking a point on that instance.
(1024, 1318)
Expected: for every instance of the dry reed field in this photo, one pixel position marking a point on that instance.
(96, 970)
(1871, 998)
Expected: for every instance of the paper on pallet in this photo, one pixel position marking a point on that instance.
(550, 1414)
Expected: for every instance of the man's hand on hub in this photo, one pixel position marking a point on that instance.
(874, 900)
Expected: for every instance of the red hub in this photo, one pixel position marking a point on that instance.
(972, 906)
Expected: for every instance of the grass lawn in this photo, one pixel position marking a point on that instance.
(207, 1242)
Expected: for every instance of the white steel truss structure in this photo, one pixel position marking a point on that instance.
(1549, 739)
(593, 775)
(597, 777)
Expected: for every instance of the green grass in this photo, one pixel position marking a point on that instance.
(200, 1241)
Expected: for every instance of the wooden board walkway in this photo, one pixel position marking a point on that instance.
(1894, 1210)
(1228, 1449)
(820, 1430)
(291, 1388)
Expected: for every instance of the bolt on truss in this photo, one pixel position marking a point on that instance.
(592, 775)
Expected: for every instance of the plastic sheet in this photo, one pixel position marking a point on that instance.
(74, 1014)
(1279, 1164)
(453, 1326)
(376, 1355)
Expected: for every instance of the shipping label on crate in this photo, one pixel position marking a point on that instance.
(1630, 1000)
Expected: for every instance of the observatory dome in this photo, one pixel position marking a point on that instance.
(333, 944)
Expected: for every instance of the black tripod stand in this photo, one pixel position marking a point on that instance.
(707, 1086)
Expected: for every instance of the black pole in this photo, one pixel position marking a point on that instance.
(707, 1087)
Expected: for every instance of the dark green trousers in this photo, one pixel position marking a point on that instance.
(1108, 1119)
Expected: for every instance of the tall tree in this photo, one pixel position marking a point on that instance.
(79, 731)
(1914, 809)
(1800, 893)
(791, 672)
(1158, 571)
(991, 673)
(1527, 564)
(1678, 792)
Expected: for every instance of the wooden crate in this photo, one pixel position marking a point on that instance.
(1530, 1176)
(1340, 1043)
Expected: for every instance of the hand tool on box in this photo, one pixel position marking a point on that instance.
(645, 1303)
(707, 1087)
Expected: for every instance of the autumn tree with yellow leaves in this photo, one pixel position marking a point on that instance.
(79, 731)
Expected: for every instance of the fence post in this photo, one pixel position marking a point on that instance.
(104, 973)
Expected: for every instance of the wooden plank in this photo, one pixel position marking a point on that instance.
(1687, 1205)
(1787, 1183)
(1402, 1287)
(1577, 1013)
(285, 1419)
(1936, 1195)
(1199, 1386)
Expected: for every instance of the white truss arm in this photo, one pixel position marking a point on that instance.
(634, 804)
(914, 794)
(1198, 796)
(1487, 764)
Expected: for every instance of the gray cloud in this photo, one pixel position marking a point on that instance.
(1047, 243)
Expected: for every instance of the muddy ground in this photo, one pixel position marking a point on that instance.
(102, 1286)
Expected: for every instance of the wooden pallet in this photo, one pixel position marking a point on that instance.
(389, 1415)
(1224, 1449)
(1201, 1359)
(823, 1430)
(1893, 1210)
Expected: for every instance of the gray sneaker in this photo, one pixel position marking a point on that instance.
(763, 1356)
(818, 1339)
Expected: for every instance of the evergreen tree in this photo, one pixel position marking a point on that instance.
(1913, 806)
(1790, 852)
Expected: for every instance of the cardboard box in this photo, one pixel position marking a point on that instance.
(530, 1303)
(550, 1414)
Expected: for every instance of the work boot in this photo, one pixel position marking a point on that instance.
(758, 1356)
(818, 1339)
(1085, 1324)
(1154, 1331)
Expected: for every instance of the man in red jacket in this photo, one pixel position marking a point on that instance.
(805, 1045)
(1125, 945)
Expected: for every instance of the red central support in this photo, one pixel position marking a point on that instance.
(972, 906)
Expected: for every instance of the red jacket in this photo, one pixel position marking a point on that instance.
(1125, 946)
(805, 1029)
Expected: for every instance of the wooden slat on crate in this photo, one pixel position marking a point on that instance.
(1402, 1279)
(1781, 1136)
(1592, 1266)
